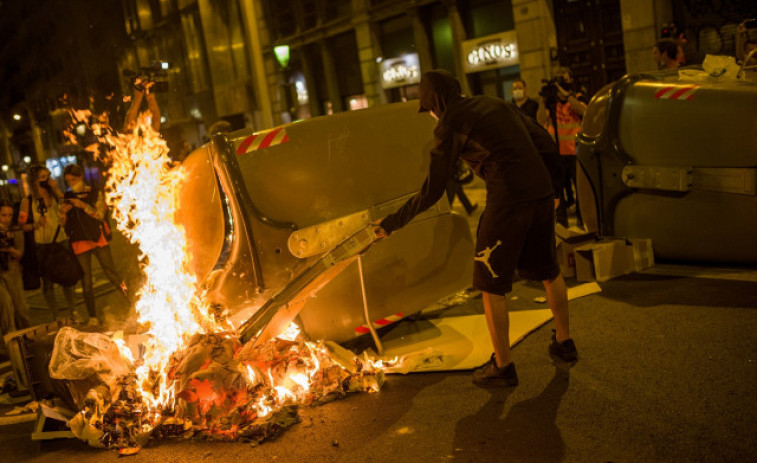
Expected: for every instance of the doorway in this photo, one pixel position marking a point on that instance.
(590, 41)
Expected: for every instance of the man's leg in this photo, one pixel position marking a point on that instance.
(557, 295)
(498, 320)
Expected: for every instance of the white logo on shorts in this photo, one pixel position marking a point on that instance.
(483, 257)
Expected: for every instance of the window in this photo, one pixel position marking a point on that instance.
(198, 73)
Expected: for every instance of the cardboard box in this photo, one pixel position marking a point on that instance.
(567, 240)
(640, 254)
(566, 258)
(602, 260)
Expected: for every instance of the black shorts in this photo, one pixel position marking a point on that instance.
(520, 236)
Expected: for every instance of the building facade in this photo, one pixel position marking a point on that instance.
(261, 63)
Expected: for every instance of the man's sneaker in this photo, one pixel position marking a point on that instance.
(491, 375)
(565, 351)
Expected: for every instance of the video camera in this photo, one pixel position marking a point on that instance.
(549, 89)
(156, 72)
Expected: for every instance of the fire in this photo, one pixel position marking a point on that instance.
(140, 189)
(194, 377)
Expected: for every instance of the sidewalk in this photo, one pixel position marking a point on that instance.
(106, 297)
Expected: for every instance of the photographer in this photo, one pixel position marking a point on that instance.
(38, 215)
(82, 215)
(665, 54)
(561, 110)
(13, 308)
(142, 90)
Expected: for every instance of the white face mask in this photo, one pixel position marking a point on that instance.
(518, 94)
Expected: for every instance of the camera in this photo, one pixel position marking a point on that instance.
(156, 72)
(549, 89)
(5, 242)
(42, 208)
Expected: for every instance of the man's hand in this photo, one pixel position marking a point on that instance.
(65, 207)
(380, 232)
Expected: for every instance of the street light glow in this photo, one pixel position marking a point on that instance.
(17, 117)
(27, 159)
(282, 55)
(5, 167)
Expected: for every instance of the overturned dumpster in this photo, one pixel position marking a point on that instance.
(262, 208)
(253, 231)
(674, 161)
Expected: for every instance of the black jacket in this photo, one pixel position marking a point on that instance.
(492, 136)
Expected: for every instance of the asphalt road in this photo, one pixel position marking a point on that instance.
(667, 372)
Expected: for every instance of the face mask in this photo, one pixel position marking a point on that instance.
(518, 94)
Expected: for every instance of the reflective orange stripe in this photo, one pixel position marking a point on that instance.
(568, 126)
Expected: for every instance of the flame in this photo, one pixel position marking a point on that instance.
(172, 308)
(141, 190)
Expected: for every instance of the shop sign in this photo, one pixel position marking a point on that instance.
(490, 52)
(398, 72)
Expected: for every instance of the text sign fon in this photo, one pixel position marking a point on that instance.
(398, 72)
(490, 52)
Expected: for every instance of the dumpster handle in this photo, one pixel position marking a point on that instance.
(376, 340)
(746, 60)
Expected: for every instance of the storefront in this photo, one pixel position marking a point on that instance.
(491, 63)
(400, 77)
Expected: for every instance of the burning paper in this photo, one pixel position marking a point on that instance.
(193, 377)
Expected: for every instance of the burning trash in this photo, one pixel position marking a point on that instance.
(224, 390)
(186, 373)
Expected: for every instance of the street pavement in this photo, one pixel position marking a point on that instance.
(666, 373)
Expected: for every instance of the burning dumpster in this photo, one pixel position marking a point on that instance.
(674, 161)
(258, 228)
(260, 209)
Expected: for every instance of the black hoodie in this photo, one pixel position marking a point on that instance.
(491, 136)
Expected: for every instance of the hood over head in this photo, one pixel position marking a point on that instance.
(438, 90)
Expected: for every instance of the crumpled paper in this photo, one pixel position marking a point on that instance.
(79, 355)
(715, 68)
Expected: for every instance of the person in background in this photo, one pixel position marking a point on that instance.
(670, 31)
(529, 106)
(38, 213)
(665, 54)
(14, 312)
(516, 229)
(455, 188)
(82, 215)
(562, 115)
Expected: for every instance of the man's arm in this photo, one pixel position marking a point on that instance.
(577, 105)
(542, 114)
(152, 105)
(131, 115)
(443, 165)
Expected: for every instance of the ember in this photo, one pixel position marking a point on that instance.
(226, 391)
(188, 374)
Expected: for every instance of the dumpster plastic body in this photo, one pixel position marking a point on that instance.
(260, 208)
(674, 161)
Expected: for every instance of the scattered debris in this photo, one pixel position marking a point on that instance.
(223, 390)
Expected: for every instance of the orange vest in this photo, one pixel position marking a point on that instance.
(568, 126)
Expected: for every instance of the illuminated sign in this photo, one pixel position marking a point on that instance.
(398, 72)
(490, 52)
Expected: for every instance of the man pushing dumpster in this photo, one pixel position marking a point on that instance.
(516, 229)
